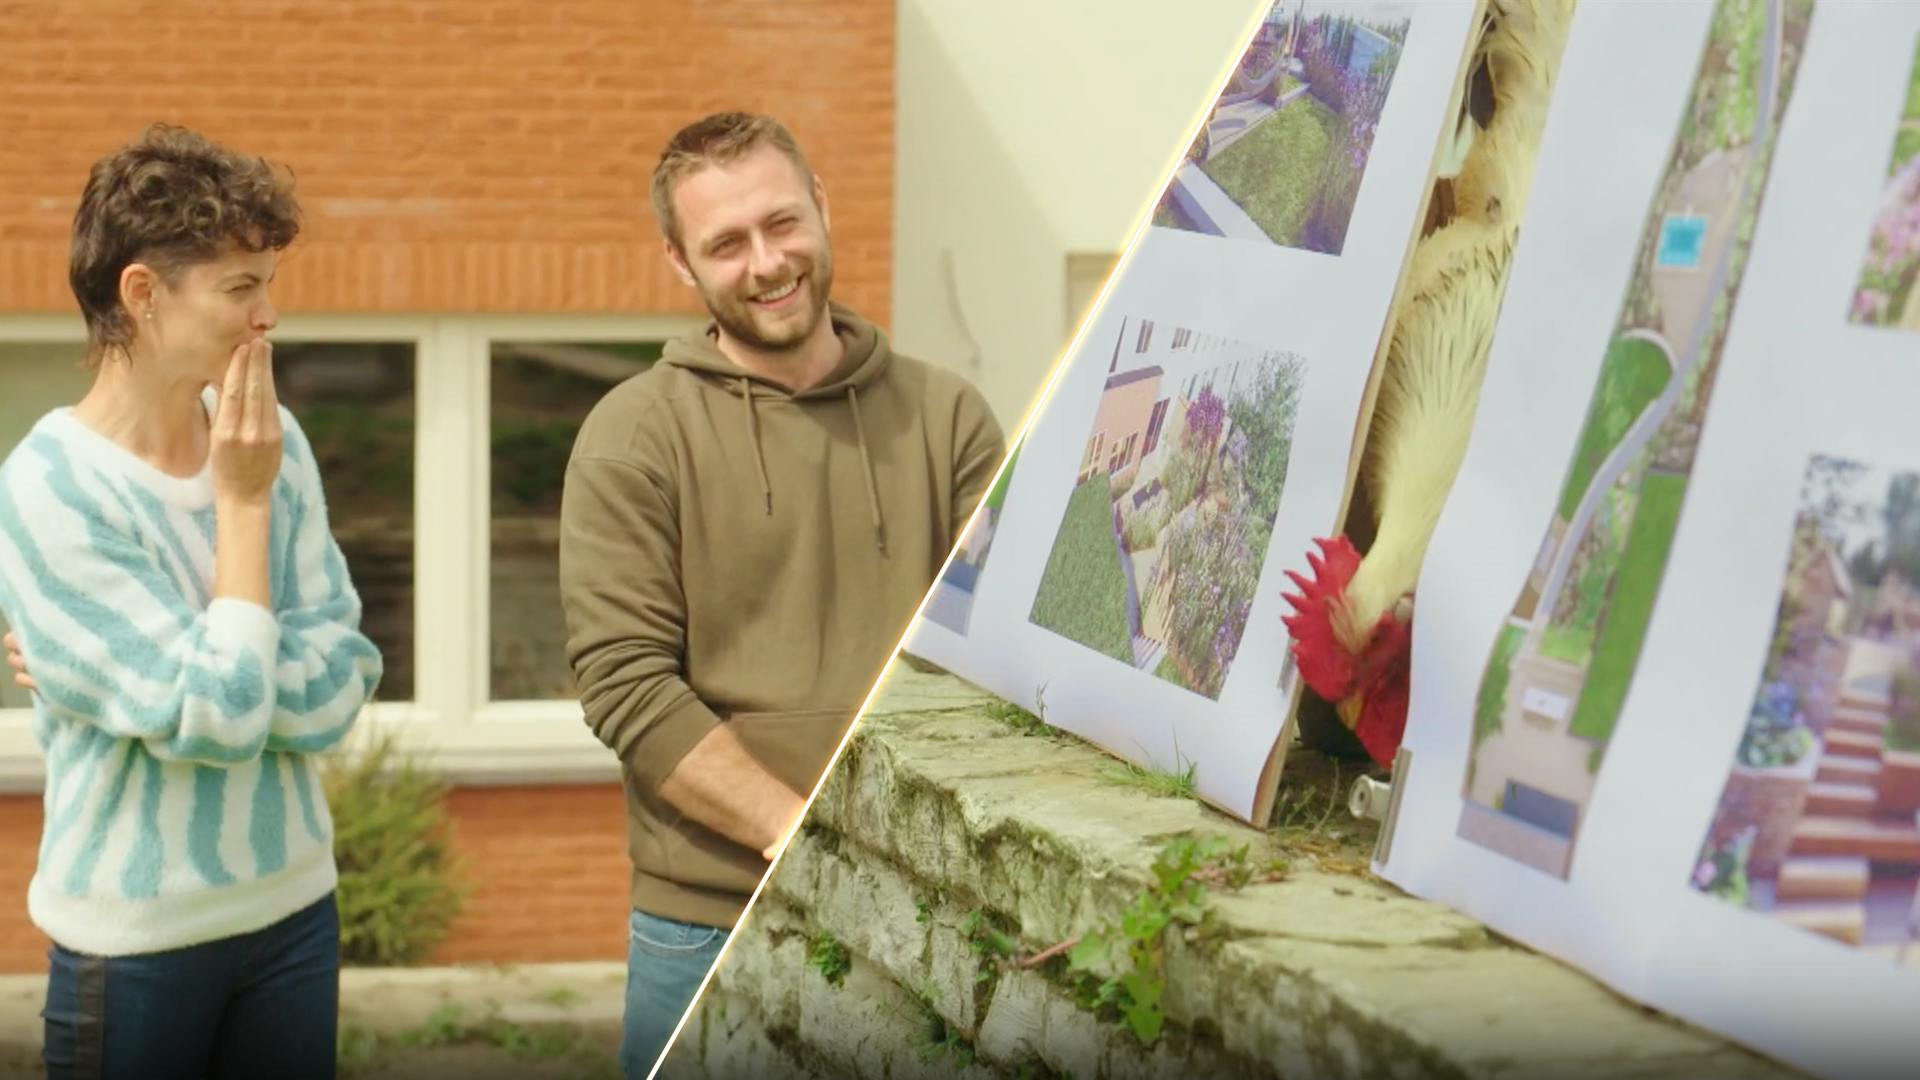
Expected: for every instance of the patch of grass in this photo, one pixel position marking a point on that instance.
(1906, 144)
(1617, 652)
(1270, 171)
(354, 1050)
(1156, 782)
(1912, 111)
(1632, 376)
(561, 997)
(1168, 671)
(359, 1051)
(1083, 593)
(1017, 718)
(1574, 644)
(829, 957)
(1492, 699)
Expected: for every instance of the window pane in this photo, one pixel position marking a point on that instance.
(355, 401)
(541, 393)
(37, 378)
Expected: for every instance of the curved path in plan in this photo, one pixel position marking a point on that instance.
(1661, 407)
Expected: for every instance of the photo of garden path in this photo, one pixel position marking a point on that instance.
(1819, 822)
(1561, 665)
(1886, 294)
(1159, 551)
(951, 604)
(1280, 157)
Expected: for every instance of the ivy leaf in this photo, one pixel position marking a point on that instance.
(1144, 925)
(1089, 952)
(1142, 1010)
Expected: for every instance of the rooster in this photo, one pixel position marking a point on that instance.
(1352, 614)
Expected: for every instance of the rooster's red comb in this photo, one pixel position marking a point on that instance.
(1325, 664)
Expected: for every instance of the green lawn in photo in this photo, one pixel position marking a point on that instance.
(1271, 170)
(1632, 376)
(1649, 541)
(1083, 592)
(1570, 643)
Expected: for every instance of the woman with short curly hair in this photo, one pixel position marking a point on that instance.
(191, 636)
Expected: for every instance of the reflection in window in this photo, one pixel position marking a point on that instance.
(541, 393)
(355, 401)
(37, 378)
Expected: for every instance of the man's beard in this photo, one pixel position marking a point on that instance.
(735, 315)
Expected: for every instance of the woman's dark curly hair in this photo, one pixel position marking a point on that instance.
(169, 199)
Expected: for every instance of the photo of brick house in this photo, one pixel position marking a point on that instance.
(1177, 486)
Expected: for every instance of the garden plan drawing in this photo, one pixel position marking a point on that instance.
(1562, 664)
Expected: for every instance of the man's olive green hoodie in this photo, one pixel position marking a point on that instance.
(735, 553)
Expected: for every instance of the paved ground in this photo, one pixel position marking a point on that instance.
(539, 1021)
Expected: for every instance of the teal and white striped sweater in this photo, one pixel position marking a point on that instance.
(181, 801)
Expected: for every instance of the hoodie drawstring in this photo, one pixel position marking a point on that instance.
(753, 434)
(866, 460)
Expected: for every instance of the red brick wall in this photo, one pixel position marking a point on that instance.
(547, 866)
(22, 946)
(550, 870)
(452, 155)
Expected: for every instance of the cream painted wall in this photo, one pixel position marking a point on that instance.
(1029, 130)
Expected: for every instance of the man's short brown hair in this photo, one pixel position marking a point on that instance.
(716, 140)
(169, 199)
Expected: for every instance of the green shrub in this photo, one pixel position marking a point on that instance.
(1903, 723)
(1143, 527)
(399, 888)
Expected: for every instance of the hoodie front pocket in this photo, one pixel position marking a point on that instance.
(793, 746)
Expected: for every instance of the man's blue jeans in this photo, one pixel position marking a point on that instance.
(666, 960)
(264, 1004)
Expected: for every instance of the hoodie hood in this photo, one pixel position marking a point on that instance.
(866, 359)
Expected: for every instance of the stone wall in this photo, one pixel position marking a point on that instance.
(1771, 800)
(870, 952)
(1898, 790)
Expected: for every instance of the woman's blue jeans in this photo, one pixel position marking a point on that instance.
(263, 1004)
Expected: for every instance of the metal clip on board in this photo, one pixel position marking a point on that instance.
(1373, 800)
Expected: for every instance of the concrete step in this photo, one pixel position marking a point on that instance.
(1837, 919)
(1848, 770)
(1894, 840)
(1854, 744)
(1866, 699)
(1864, 721)
(1823, 877)
(1841, 799)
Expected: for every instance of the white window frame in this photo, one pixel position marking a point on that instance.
(452, 725)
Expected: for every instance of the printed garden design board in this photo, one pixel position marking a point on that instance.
(1123, 577)
(1666, 686)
